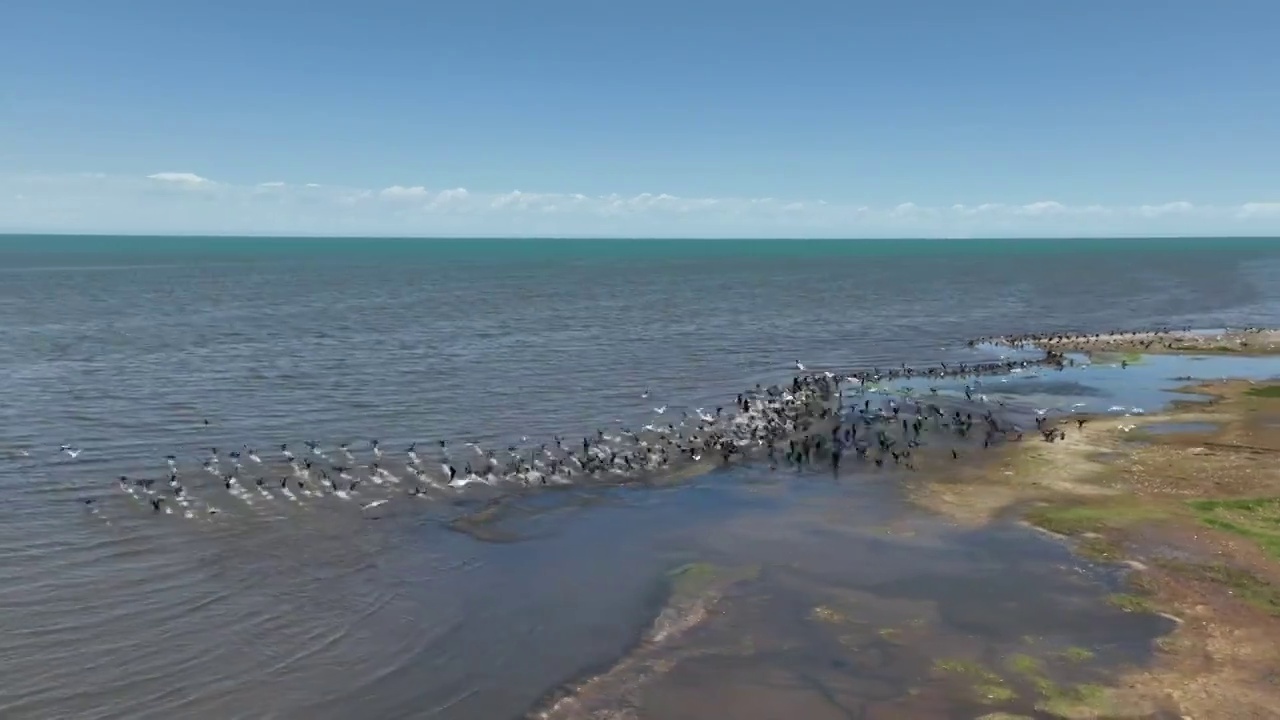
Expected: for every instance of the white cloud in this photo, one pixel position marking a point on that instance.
(1044, 207)
(1170, 208)
(1259, 210)
(92, 202)
(397, 191)
(184, 178)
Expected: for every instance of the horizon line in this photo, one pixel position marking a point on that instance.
(717, 238)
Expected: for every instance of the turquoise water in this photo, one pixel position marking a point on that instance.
(124, 347)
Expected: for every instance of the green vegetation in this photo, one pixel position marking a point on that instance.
(1130, 603)
(1077, 701)
(1255, 518)
(1080, 519)
(1243, 584)
(1077, 654)
(959, 666)
(699, 578)
(994, 693)
(1264, 391)
(988, 687)
(1024, 665)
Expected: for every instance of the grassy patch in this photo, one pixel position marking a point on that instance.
(1079, 519)
(1255, 518)
(1242, 583)
(1130, 603)
(1100, 549)
(1264, 391)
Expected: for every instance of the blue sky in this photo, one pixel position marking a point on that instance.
(593, 117)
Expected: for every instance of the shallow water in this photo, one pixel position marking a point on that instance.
(321, 611)
(858, 598)
(1173, 428)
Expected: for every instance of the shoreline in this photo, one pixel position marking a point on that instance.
(1229, 341)
(1106, 490)
(1193, 512)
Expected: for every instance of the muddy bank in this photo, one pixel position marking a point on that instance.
(612, 694)
(1195, 513)
(1253, 341)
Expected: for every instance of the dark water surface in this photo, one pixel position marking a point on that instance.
(123, 346)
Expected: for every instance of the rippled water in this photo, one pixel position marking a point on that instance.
(123, 347)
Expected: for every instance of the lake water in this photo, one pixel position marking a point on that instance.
(125, 347)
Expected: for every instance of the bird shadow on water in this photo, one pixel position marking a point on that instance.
(858, 606)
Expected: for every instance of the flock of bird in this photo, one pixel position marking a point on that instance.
(803, 423)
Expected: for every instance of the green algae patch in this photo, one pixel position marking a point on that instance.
(700, 578)
(1083, 702)
(1093, 518)
(1257, 519)
(1003, 716)
(994, 693)
(987, 687)
(1024, 665)
(1130, 603)
(1076, 655)
(959, 666)
(1264, 391)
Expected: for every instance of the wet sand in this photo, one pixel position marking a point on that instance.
(1194, 513)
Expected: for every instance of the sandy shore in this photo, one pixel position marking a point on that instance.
(1196, 514)
(1244, 342)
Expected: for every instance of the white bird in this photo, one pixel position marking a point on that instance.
(73, 452)
(800, 366)
(645, 395)
(660, 410)
(373, 504)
